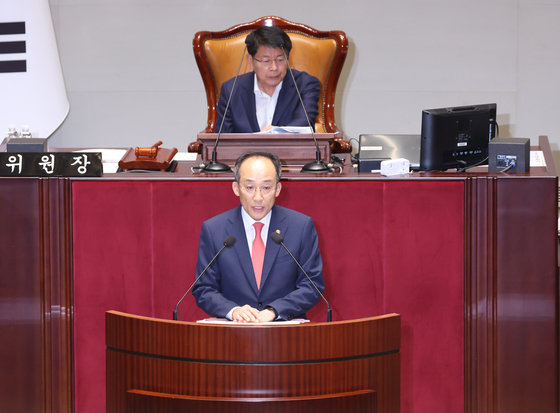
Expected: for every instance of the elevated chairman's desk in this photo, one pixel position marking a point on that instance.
(468, 260)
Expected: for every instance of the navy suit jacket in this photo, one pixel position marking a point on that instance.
(241, 116)
(230, 280)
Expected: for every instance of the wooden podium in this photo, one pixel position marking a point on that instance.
(292, 149)
(156, 365)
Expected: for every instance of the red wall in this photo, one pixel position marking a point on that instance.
(387, 246)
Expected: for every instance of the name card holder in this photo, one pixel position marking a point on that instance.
(47, 164)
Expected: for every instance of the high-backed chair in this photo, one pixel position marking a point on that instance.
(319, 53)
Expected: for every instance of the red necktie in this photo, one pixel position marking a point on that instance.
(257, 253)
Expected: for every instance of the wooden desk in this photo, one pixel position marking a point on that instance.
(469, 261)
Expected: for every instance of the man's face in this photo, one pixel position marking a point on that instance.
(257, 188)
(270, 67)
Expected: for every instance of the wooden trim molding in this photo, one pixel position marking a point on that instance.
(55, 203)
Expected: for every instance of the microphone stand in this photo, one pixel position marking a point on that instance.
(228, 242)
(277, 238)
(318, 165)
(214, 166)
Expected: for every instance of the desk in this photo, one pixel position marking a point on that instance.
(469, 261)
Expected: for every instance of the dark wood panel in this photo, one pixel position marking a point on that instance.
(292, 149)
(259, 362)
(56, 284)
(152, 336)
(35, 296)
(526, 307)
(20, 297)
(511, 295)
(150, 402)
(480, 345)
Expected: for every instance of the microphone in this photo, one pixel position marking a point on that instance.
(228, 242)
(277, 238)
(214, 165)
(318, 165)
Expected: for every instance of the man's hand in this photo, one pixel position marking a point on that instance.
(248, 314)
(245, 314)
(266, 315)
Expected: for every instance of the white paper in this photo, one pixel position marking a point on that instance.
(537, 159)
(288, 129)
(109, 157)
(185, 156)
(237, 323)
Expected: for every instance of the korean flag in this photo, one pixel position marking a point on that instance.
(31, 83)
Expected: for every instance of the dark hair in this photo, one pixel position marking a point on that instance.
(273, 158)
(270, 36)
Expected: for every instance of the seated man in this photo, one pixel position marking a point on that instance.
(266, 96)
(256, 280)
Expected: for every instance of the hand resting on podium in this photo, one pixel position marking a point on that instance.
(248, 314)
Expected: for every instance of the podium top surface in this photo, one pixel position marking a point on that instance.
(357, 338)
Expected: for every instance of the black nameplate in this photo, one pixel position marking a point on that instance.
(42, 164)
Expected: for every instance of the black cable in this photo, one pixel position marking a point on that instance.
(463, 169)
(507, 168)
(336, 159)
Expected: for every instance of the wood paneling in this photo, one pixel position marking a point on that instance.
(152, 402)
(20, 297)
(56, 285)
(35, 296)
(289, 365)
(510, 308)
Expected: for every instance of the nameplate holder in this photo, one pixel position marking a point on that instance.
(50, 164)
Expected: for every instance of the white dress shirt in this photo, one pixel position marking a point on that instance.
(250, 232)
(265, 104)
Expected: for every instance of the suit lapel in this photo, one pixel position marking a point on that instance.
(282, 103)
(277, 222)
(287, 94)
(248, 101)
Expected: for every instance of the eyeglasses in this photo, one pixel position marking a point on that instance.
(280, 61)
(252, 189)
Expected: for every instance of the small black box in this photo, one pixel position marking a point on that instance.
(502, 152)
(26, 145)
(370, 165)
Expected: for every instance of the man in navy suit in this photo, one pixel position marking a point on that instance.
(266, 97)
(230, 288)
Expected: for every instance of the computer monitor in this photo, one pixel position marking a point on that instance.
(456, 137)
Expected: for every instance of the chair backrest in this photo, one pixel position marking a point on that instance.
(319, 53)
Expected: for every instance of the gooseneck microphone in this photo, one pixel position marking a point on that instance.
(228, 242)
(214, 165)
(277, 238)
(318, 165)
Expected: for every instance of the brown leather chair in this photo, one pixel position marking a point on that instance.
(319, 53)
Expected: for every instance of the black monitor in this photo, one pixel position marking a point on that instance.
(456, 137)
